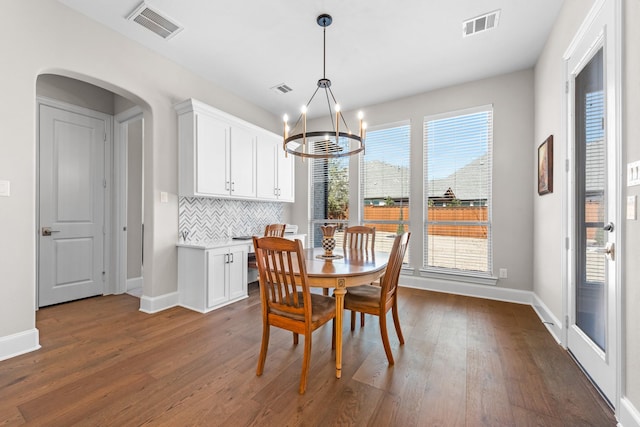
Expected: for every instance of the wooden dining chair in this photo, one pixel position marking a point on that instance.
(363, 238)
(283, 304)
(359, 237)
(378, 300)
(271, 230)
(274, 230)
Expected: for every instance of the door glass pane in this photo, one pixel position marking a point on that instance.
(591, 201)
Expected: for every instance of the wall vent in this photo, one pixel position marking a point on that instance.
(481, 23)
(281, 88)
(154, 21)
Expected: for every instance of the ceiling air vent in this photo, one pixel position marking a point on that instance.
(281, 88)
(480, 23)
(154, 21)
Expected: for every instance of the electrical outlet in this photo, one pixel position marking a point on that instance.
(503, 273)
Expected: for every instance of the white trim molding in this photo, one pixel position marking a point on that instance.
(152, 305)
(20, 343)
(553, 325)
(629, 416)
(467, 288)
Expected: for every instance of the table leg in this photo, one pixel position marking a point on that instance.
(339, 294)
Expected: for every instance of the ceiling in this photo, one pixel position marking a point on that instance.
(376, 50)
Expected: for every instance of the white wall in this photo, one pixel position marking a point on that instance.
(512, 99)
(45, 37)
(549, 97)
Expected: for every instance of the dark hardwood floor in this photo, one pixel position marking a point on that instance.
(466, 362)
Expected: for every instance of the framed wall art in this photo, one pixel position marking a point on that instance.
(545, 166)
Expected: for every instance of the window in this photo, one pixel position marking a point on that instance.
(385, 178)
(329, 196)
(457, 179)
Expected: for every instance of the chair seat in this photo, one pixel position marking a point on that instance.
(363, 296)
(323, 307)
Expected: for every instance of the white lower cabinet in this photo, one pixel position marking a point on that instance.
(211, 278)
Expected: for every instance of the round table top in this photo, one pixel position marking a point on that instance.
(354, 262)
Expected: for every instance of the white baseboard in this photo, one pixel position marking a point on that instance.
(548, 319)
(135, 283)
(468, 289)
(155, 304)
(628, 413)
(20, 343)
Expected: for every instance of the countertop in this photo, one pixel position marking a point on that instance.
(225, 243)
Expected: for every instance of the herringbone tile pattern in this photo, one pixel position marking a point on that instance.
(213, 219)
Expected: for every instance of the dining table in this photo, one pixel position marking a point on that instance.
(344, 269)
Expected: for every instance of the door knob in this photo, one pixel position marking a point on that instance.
(609, 227)
(46, 231)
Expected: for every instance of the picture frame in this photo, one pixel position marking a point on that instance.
(545, 166)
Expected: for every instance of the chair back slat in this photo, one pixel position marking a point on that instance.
(394, 266)
(359, 237)
(279, 260)
(274, 230)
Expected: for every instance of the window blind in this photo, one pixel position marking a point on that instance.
(328, 196)
(457, 191)
(385, 178)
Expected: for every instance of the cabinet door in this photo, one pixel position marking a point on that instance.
(266, 168)
(286, 180)
(243, 162)
(217, 289)
(212, 154)
(238, 273)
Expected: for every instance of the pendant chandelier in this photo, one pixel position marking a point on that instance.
(338, 140)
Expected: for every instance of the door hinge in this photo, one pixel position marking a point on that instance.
(104, 274)
(566, 243)
(104, 183)
(566, 165)
(566, 321)
(103, 230)
(105, 137)
(566, 86)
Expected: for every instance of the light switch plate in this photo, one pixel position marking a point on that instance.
(164, 197)
(631, 207)
(633, 173)
(5, 188)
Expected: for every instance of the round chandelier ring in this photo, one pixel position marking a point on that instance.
(325, 154)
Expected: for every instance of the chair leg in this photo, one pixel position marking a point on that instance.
(263, 349)
(306, 359)
(325, 291)
(295, 339)
(385, 338)
(362, 320)
(353, 320)
(396, 321)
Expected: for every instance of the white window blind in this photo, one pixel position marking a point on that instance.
(328, 195)
(457, 186)
(385, 178)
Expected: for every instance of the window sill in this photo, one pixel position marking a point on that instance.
(480, 279)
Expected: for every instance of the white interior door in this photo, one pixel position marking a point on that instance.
(594, 216)
(71, 205)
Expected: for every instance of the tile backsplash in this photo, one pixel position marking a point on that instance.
(213, 219)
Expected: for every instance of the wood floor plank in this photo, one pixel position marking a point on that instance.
(465, 362)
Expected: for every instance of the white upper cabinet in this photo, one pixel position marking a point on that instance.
(217, 153)
(274, 169)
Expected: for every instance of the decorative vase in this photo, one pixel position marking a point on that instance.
(328, 244)
(328, 241)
